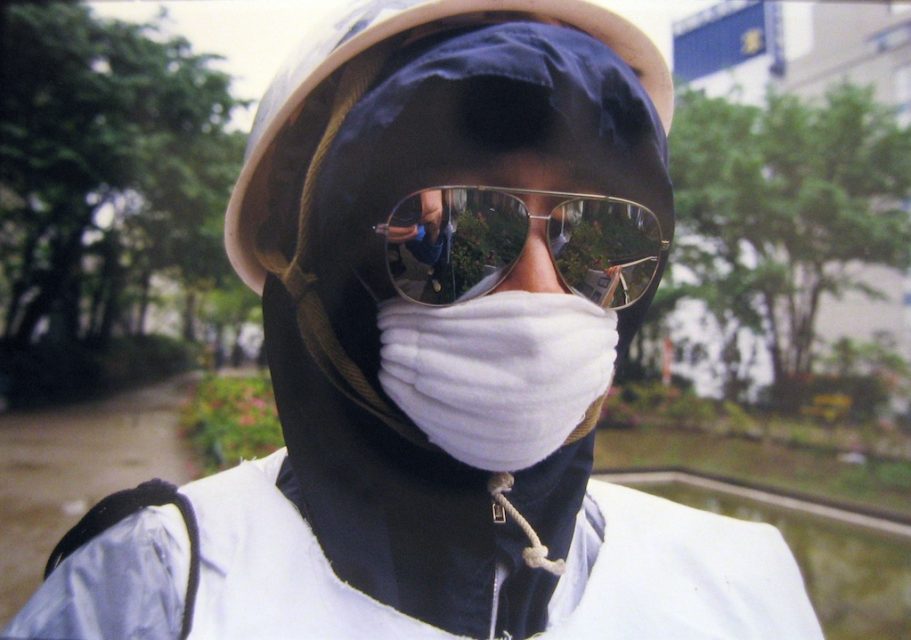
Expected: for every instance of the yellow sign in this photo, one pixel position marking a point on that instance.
(752, 41)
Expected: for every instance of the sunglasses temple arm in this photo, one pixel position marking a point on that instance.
(616, 273)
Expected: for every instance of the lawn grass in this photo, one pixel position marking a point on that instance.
(881, 485)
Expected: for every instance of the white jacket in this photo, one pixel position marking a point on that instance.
(662, 571)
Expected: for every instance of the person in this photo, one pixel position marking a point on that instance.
(436, 480)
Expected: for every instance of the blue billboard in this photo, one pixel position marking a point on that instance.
(721, 37)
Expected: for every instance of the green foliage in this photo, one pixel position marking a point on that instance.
(654, 404)
(864, 394)
(779, 464)
(140, 358)
(689, 410)
(115, 164)
(618, 413)
(233, 419)
(53, 371)
(773, 204)
(878, 360)
(231, 304)
(47, 372)
(895, 475)
(737, 419)
(892, 476)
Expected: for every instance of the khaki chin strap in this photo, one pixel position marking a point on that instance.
(300, 281)
(590, 421)
(298, 278)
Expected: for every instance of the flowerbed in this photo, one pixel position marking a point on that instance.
(233, 419)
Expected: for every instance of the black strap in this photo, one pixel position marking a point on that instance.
(118, 506)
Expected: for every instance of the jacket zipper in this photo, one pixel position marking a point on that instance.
(499, 577)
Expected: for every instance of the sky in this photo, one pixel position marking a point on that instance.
(255, 36)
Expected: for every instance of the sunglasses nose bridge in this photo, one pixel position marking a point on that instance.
(534, 270)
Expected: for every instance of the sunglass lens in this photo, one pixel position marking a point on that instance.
(606, 250)
(452, 244)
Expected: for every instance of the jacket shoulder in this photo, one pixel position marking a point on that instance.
(710, 571)
(128, 581)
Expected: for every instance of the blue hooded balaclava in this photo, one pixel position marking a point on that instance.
(410, 526)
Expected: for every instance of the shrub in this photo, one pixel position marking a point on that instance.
(867, 393)
(47, 372)
(649, 396)
(233, 419)
(616, 413)
(59, 371)
(738, 420)
(689, 410)
(638, 403)
(140, 358)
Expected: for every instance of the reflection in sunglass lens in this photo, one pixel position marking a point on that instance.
(605, 250)
(447, 245)
(452, 244)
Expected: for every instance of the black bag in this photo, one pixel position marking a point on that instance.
(118, 506)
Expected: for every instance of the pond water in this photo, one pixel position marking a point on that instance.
(859, 580)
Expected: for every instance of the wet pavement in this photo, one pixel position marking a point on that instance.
(56, 463)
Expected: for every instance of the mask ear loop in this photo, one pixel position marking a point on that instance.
(313, 322)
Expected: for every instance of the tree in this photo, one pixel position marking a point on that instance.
(775, 205)
(95, 114)
(181, 221)
(229, 308)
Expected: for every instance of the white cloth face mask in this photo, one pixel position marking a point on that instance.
(498, 382)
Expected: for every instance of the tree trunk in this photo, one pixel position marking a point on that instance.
(110, 287)
(732, 385)
(20, 286)
(53, 283)
(65, 258)
(189, 317)
(145, 287)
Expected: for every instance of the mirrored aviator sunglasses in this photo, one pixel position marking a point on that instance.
(446, 245)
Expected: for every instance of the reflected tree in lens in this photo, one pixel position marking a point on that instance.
(490, 234)
(607, 235)
(466, 265)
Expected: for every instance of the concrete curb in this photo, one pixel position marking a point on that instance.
(882, 521)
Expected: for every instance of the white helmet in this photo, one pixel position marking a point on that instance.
(297, 96)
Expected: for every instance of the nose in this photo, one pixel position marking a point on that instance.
(534, 271)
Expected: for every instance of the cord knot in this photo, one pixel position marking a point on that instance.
(297, 281)
(500, 483)
(536, 558)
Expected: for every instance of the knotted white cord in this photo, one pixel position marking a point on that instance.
(535, 556)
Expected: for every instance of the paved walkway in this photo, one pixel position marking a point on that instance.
(56, 463)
